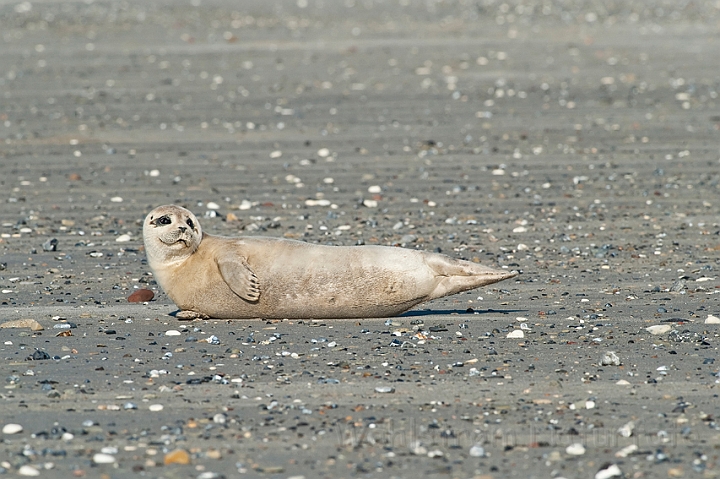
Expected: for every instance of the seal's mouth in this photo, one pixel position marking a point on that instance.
(174, 242)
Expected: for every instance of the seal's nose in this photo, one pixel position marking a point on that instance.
(182, 229)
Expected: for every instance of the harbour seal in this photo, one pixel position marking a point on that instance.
(210, 276)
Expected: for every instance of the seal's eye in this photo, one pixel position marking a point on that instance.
(190, 224)
(163, 220)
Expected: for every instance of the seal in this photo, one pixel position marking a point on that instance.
(210, 276)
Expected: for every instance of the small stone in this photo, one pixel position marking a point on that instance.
(575, 449)
(265, 470)
(156, 407)
(627, 429)
(141, 296)
(172, 332)
(27, 470)
(213, 206)
(123, 238)
(23, 323)
(611, 471)
(50, 245)
(384, 389)
(623, 382)
(610, 359)
(39, 356)
(678, 286)
(417, 448)
(477, 451)
(213, 454)
(178, 456)
(12, 428)
(712, 319)
(516, 334)
(116, 199)
(626, 451)
(589, 404)
(658, 329)
(102, 458)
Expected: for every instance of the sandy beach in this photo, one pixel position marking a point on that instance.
(574, 142)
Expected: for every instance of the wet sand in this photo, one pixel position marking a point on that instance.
(576, 144)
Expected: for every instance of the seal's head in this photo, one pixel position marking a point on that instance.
(171, 233)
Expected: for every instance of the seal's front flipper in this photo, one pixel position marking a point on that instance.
(238, 275)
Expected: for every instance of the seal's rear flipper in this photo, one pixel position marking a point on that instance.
(456, 276)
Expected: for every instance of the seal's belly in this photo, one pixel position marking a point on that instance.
(310, 281)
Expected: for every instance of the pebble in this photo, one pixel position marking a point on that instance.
(712, 319)
(12, 428)
(516, 334)
(213, 206)
(50, 245)
(141, 296)
(215, 475)
(477, 451)
(374, 189)
(627, 429)
(39, 356)
(611, 471)
(370, 203)
(213, 454)
(156, 407)
(23, 323)
(575, 449)
(116, 199)
(102, 458)
(626, 451)
(384, 389)
(178, 456)
(658, 329)
(172, 332)
(610, 359)
(678, 286)
(27, 470)
(123, 238)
